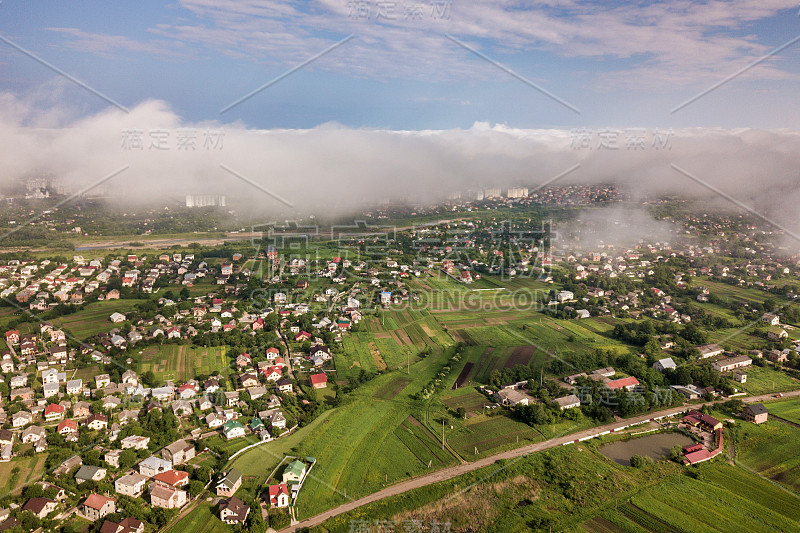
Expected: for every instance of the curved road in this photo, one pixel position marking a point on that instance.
(453, 471)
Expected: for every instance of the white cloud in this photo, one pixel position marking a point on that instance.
(675, 42)
(333, 169)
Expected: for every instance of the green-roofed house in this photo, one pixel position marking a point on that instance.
(233, 429)
(229, 483)
(775, 333)
(294, 472)
(256, 425)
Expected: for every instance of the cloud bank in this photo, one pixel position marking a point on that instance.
(332, 169)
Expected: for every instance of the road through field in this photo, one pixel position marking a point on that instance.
(453, 471)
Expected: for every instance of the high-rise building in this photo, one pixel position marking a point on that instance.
(205, 200)
(517, 192)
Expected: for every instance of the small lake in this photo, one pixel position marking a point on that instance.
(655, 446)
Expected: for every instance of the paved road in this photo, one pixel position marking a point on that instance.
(451, 472)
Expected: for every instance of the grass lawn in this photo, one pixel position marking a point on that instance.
(93, 318)
(28, 470)
(771, 450)
(202, 519)
(764, 380)
(788, 409)
(489, 434)
(183, 362)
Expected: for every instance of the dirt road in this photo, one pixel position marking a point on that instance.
(451, 472)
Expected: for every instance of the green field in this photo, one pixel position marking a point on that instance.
(361, 445)
(771, 450)
(202, 519)
(184, 362)
(489, 434)
(93, 318)
(765, 380)
(574, 488)
(29, 470)
(788, 409)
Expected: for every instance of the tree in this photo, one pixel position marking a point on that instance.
(676, 454)
(640, 461)
(462, 413)
(196, 487)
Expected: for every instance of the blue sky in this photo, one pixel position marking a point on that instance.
(622, 64)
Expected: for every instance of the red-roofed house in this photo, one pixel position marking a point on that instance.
(302, 336)
(54, 412)
(67, 426)
(96, 507)
(272, 353)
(279, 495)
(12, 337)
(319, 381)
(273, 373)
(625, 383)
(172, 478)
(243, 360)
(697, 418)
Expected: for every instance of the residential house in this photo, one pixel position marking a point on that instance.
(41, 507)
(274, 417)
(568, 402)
(112, 457)
(664, 364)
(67, 427)
(54, 412)
(284, 385)
(172, 479)
(294, 472)
(97, 422)
(755, 413)
(229, 483)
(68, 465)
(153, 466)
(33, 434)
(74, 386)
(233, 429)
(96, 507)
(731, 363)
(178, 452)
(80, 409)
(278, 495)
(90, 473)
(128, 525)
(709, 350)
(629, 384)
(249, 379)
(136, 442)
(50, 376)
(319, 381)
(775, 333)
(131, 484)
(233, 511)
(168, 498)
(513, 397)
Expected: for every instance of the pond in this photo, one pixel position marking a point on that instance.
(655, 446)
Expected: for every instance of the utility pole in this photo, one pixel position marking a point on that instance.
(442, 433)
